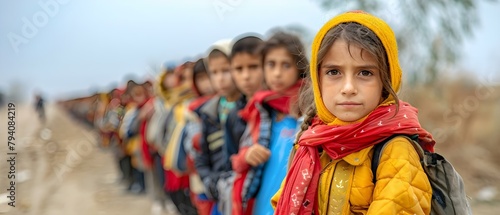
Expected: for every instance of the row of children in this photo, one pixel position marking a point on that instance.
(191, 134)
(219, 132)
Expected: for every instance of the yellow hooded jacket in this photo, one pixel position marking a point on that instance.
(346, 185)
(177, 101)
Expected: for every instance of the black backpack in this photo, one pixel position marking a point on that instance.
(448, 192)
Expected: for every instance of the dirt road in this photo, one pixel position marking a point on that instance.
(61, 171)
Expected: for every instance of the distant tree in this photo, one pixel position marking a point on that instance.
(429, 33)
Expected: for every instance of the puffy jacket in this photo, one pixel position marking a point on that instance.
(210, 163)
(175, 124)
(346, 185)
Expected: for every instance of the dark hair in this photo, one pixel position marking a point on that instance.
(130, 85)
(199, 67)
(248, 44)
(147, 83)
(292, 44)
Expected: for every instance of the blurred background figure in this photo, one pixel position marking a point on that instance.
(39, 107)
(2, 100)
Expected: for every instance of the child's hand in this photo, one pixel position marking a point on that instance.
(257, 154)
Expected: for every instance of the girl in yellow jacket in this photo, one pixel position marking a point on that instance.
(352, 105)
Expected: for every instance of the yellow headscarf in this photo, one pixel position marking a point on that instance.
(383, 32)
(159, 88)
(173, 95)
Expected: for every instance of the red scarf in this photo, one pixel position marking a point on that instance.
(278, 101)
(145, 146)
(338, 142)
(196, 103)
(251, 114)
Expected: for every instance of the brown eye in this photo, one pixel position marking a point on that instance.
(253, 67)
(365, 73)
(332, 72)
(287, 65)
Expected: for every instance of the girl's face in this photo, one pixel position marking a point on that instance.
(280, 69)
(350, 82)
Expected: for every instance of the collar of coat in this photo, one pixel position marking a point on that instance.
(358, 158)
(210, 108)
(353, 159)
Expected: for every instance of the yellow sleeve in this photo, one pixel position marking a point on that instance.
(402, 186)
(277, 195)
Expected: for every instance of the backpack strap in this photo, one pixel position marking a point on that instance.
(377, 151)
(379, 147)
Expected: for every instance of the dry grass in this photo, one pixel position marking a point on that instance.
(464, 117)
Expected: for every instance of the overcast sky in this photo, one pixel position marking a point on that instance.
(75, 46)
